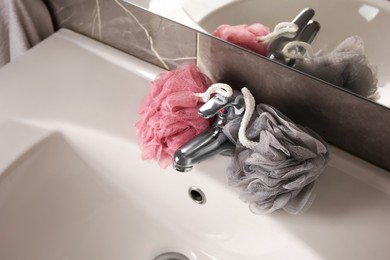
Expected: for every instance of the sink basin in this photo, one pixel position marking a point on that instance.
(72, 185)
(339, 20)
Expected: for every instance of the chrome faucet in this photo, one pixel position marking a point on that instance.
(212, 141)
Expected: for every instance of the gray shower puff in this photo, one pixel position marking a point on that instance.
(346, 66)
(279, 172)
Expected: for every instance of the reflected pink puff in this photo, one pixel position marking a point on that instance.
(169, 113)
(244, 36)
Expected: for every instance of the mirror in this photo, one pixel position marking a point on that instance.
(338, 19)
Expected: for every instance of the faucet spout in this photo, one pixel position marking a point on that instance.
(212, 141)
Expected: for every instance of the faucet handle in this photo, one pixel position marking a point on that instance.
(213, 106)
(219, 103)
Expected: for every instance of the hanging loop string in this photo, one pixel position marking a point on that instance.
(249, 109)
(220, 88)
(297, 50)
(285, 29)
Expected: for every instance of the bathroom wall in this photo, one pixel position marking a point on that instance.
(341, 118)
(128, 28)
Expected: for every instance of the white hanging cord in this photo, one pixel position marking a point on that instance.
(249, 109)
(294, 50)
(220, 88)
(285, 29)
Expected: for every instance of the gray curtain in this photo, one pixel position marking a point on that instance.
(23, 24)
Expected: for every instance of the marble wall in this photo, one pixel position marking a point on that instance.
(128, 28)
(341, 118)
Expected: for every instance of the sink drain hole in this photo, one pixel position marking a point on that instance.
(171, 256)
(197, 195)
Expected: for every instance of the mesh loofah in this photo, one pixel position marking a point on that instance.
(346, 66)
(279, 172)
(244, 36)
(169, 113)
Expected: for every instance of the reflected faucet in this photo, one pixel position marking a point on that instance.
(306, 32)
(211, 141)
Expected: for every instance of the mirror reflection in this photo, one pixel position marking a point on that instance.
(348, 46)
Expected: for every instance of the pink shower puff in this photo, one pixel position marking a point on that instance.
(169, 113)
(244, 36)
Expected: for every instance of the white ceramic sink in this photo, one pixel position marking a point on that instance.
(72, 185)
(339, 20)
